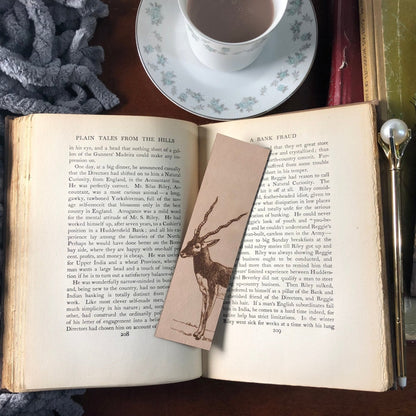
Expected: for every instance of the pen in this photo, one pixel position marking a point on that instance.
(393, 138)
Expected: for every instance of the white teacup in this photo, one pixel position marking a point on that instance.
(228, 56)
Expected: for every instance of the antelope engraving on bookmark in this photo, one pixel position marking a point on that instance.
(209, 274)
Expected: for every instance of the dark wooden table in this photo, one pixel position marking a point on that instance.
(124, 75)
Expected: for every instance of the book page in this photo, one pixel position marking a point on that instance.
(109, 200)
(307, 302)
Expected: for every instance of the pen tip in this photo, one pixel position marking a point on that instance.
(402, 382)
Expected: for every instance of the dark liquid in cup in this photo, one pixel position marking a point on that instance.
(231, 20)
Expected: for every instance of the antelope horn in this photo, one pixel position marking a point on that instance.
(198, 230)
(222, 226)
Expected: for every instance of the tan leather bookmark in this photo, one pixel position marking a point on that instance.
(212, 241)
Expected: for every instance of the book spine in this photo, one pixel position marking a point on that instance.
(346, 85)
(368, 53)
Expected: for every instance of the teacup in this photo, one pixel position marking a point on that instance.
(229, 55)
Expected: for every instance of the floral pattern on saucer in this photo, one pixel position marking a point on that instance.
(269, 81)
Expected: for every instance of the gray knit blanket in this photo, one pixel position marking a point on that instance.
(48, 66)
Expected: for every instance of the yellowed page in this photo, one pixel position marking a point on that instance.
(307, 304)
(109, 198)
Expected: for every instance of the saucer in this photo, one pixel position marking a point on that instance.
(275, 75)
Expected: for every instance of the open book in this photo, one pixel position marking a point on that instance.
(96, 210)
